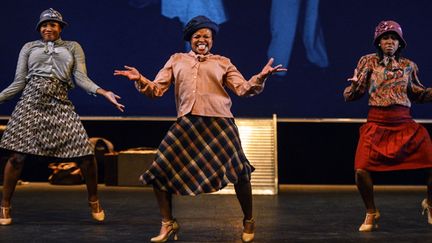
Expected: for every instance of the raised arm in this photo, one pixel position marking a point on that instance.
(152, 89)
(255, 85)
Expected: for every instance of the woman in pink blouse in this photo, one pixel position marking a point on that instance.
(390, 139)
(201, 151)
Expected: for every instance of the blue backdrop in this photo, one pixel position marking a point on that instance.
(319, 41)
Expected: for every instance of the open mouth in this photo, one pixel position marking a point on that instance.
(389, 47)
(202, 47)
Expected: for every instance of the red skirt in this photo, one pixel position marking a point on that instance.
(392, 140)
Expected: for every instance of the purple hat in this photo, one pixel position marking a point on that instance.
(50, 15)
(389, 26)
(197, 23)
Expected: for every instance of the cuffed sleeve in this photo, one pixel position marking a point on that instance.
(160, 85)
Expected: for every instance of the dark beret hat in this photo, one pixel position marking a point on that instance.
(197, 23)
(50, 15)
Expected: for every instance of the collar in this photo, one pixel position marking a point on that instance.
(199, 57)
(390, 62)
(57, 42)
(49, 45)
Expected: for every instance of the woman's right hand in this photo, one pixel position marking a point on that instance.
(354, 77)
(131, 73)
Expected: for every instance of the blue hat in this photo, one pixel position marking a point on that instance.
(50, 15)
(197, 23)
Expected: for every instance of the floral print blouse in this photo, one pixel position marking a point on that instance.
(388, 82)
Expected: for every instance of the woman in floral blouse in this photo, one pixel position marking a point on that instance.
(390, 139)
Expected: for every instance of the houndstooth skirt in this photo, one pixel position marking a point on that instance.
(199, 155)
(44, 122)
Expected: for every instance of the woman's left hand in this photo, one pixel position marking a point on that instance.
(268, 69)
(111, 97)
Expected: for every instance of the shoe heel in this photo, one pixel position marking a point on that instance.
(424, 206)
(427, 209)
(5, 211)
(370, 227)
(248, 237)
(167, 235)
(97, 216)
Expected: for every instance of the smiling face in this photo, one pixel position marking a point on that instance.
(50, 30)
(389, 43)
(202, 41)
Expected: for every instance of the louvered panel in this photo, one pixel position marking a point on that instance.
(259, 142)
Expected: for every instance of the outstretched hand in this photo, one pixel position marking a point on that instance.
(354, 78)
(112, 98)
(131, 73)
(268, 69)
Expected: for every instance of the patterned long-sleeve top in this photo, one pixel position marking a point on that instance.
(200, 84)
(59, 59)
(388, 82)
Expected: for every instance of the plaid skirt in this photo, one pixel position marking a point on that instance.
(198, 155)
(44, 122)
(392, 140)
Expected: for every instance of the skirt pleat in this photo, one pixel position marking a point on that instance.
(199, 155)
(392, 140)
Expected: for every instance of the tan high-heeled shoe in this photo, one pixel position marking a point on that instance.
(365, 227)
(248, 237)
(5, 216)
(171, 228)
(97, 212)
(428, 209)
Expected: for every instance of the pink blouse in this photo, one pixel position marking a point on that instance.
(200, 84)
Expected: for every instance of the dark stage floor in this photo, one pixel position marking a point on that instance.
(46, 213)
